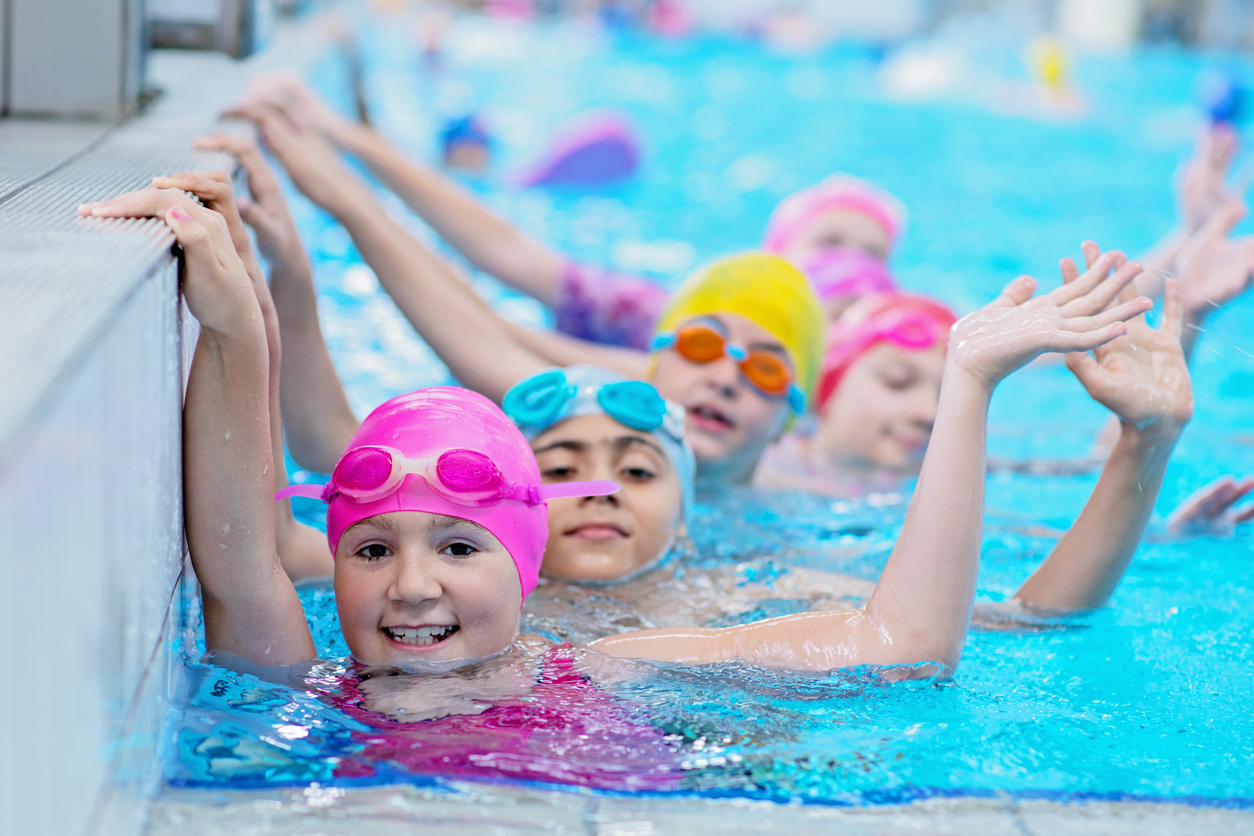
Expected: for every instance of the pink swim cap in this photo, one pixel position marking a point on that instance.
(446, 450)
(837, 272)
(840, 191)
(909, 320)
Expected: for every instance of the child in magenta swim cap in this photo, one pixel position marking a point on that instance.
(429, 575)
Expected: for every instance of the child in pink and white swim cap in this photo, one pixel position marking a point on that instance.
(839, 233)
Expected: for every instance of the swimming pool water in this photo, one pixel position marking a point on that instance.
(1152, 697)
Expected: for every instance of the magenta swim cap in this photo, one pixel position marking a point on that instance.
(446, 450)
(840, 191)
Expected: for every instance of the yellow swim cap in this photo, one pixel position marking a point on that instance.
(766, 289)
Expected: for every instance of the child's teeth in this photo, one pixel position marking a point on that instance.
(419, 635)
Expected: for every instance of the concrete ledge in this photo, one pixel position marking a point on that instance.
(94, 349)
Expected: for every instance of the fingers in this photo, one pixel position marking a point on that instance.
(1069, 271)
(192, 236)
(1120, 313)
(1088, 280)
(212, 187)
(261, 180)
(1092, 252)
(144, 203)
(1090, 373)
(1016, 293)
(1100, 293)
(1173, 310)
(1087, 340)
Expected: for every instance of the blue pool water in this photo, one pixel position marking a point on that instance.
(1152, 697)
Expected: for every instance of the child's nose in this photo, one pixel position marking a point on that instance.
(416, 580)
(723, 375)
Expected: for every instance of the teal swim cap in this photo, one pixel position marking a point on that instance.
(551, 396)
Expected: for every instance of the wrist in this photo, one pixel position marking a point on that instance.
(958, 377)
(1158, 437)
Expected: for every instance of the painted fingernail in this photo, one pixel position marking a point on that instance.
(178, 213)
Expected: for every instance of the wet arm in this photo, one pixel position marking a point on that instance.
(1085, 567)
(250, 606)
(488, 241)
(921, 607)
(469, 337)
(563, 350)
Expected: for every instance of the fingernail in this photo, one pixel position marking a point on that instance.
(178, 213)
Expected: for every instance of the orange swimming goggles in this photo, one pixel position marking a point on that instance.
(765, 370)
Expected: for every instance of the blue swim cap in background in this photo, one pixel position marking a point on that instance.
(466, 129)
(551, 396)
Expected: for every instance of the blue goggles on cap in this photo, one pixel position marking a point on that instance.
(539, 401)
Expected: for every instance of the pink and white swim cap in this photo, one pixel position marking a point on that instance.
(908, 320)
(798, 211)
(446, 450)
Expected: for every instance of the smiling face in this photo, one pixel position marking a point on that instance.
(730, 422)
(607, 537)
(839, 228)
(412, 586)
(883, 410)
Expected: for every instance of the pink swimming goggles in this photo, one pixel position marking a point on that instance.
(465, 477)
(910, 321)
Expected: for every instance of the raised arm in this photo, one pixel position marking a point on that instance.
(1202, 190)
(302, 549)
(316, 413)
(488, 241)
(1144, 380)
(251, 608)
(464, 331)
(921, 608)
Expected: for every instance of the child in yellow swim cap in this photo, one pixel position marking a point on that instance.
(738, 346)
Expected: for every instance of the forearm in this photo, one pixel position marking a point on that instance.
(251, 609)
(1085, 567)
(316, 413)
(921, 608)
(491, 244)
(1160, 263)
(460, 327)
(563, 350)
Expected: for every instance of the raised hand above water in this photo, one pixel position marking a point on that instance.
(1015, 328)
(1141, 377)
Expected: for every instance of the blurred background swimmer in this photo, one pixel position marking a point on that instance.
(466, 145)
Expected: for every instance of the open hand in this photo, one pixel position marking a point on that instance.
(1208, 511)
(1142, 377)
(1202, 189)
(1015, 328)
(1212, 268)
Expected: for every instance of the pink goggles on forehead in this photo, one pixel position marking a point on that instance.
(465, 477)
(909, 328)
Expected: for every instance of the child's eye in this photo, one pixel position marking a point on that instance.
(559, 473)
(373, 551)
(460, 549)
(638, 474)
